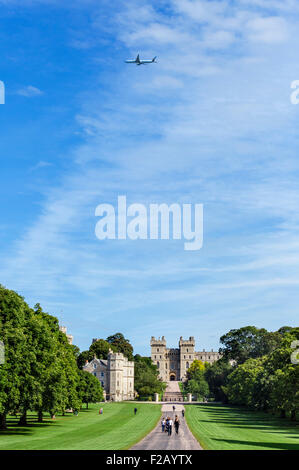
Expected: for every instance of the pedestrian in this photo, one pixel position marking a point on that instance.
(167, 424)
(101, 411)
(183, 412)
(176, 424)
(135, 411)
(170, 423)
(163, 424)
(173, 408)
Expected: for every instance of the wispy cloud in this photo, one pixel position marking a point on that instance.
(29, 91)
(209, 123)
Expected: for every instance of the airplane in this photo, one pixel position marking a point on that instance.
(139, 61)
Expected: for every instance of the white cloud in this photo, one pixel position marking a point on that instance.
(269, 30)
(29, 91)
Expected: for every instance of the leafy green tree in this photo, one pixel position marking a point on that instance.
(196, 366)
(82, 358)
(121, 344)
(216, 375)
(242, 384)
(284, 393)
(198, 386)
(90, 390)
(146, 381)
(100, 349)
(16, 373)
(248, 342)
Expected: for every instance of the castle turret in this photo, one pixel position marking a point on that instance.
(158, 356)
(187, 355)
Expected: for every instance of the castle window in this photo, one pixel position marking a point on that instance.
(95, 374)
(187, 350)
(160, 357)
(94, 366)
(158, 364)
(166, 365)
(187, 365)
(189, 357)
(157, 349)
(118, 383)
(102, 374)
(184, 357)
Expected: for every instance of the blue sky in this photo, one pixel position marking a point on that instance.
(210, 123)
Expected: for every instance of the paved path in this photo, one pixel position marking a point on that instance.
(156, 440)
(173, 386)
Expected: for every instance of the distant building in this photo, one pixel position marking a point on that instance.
(116, 375)
(173, 363)
(70, 338)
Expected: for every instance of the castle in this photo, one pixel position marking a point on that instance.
(173, 363)
(116, 375)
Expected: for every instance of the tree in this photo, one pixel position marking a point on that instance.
(198, 387)
(90, 390)
(146, 381)
(248, 342)
(243, 383)
(216, 375)
(100, 349)
(16, 381)
(121, 345)
(195, 367)
(82, 358)
(284, 393)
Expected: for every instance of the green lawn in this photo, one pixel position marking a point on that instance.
(117, 428)
(220, 427)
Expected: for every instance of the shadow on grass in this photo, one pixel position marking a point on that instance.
(244, 418)
(270, 445)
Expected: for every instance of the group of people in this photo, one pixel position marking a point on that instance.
(168, 423)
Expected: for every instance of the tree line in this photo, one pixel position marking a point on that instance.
(40, 371)
(255, 370)
(43, 373)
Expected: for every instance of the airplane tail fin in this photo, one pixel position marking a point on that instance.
(154, 59)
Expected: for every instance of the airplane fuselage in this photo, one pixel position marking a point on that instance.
(139, 61)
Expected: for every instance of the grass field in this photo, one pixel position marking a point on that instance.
(117, 428)
(220, 427)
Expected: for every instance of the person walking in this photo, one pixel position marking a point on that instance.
(176, 424)
(170, 424)
(167, 424)
(163, 424)
(135, 411)
(183, 412)
(173, 408)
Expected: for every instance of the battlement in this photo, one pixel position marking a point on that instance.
(187, 342)
(158, 341)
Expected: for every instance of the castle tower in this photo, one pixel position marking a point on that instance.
(115, 379)
(187, 355)
(159, 355)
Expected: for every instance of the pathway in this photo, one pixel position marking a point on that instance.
(156, 440)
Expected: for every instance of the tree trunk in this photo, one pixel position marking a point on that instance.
(283, 413)
(23, 419)
(40, 417)
(3, 421)
(293, 415)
